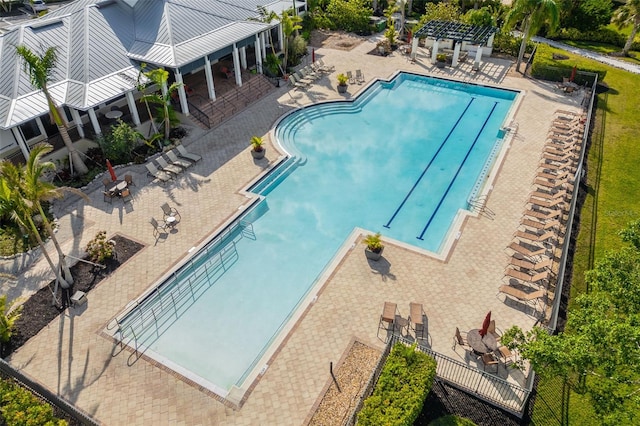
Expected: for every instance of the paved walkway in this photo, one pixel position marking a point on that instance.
(72, 358)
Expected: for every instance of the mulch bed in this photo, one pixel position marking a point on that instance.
(38, 311)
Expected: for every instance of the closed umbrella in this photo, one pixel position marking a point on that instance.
(485, 324)
(573, 73)
(111, 171)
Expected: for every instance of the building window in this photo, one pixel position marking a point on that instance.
(30, 130)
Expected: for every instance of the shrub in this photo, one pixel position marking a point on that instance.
(506, 43)
(352, 16)
(589, 15)
(118, 144)
(100, 249)
(404, 383)
(18, 406)
(8, 317)
(603, 35)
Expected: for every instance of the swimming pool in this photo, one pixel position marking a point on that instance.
(403, 159)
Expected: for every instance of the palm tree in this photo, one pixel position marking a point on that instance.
(11, 176)
(160, 77)
(39, 68)
(141, 88)
(290, 25)
(533, 14)
(266, 17)
(629, 14)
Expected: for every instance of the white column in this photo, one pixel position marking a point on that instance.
(263, 46)
(182, 94)
(490, 41)
(131, 103)
(258, 55)
(479, 54)
(43, 131)
(77, 121)
(209, 76)
(414, 47)
(21, 142)
(434, 51)
(94, 121)
(236, 65)
(243, 57)
(456, 53)
(280, 38)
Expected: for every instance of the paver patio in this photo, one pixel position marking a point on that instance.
(72, 358)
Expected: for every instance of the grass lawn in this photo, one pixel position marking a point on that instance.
(606, 49)
(613, 178)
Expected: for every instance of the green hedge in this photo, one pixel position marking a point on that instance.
(19, 407)
(603, 35)
(545, 67)
(404, 384)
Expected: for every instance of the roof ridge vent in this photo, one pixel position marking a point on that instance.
(104, 3)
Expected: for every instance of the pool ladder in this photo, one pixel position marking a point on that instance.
(479, 205)
(180, 297)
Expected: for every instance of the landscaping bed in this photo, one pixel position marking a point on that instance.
(38, 310)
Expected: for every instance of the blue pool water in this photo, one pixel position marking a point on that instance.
(401, 160)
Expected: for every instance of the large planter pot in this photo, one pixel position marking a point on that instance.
(342, 88)
(440, 64)
(372, 255)
(257, 155)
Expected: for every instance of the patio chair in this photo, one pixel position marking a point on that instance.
(388, 318)
(563, 158)
(459, 339)
(359, 77)
(309, 73)
(158, 228)
(297, 84)
(550, 184)
(540, 213)
(416, 315)
(506, 355)
(169, 211)
(519, 261)
(493, 330)
(182, 152)
(536, 237)
(301, 78)
(325, 67)
(171, 168)
(350, 77)
(558, 203)
(173, 159)
(126, 195)
(529, 277)
(129, 180)
(108, 197)
(530, 251)
(489, 360)
(107, 183)
(521, 295)
(153, 171)
(553, 175)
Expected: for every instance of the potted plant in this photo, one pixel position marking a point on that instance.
(374, 248)
(441, 60)
(342, 83)
(258, 150)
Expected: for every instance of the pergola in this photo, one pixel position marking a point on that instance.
(458, 32)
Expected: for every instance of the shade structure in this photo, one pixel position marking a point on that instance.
(573, 73)
(111, 171)
(485, 324)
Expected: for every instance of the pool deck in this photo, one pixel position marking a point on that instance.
(73, 359)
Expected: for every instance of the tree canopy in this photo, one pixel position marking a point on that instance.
(599, 352)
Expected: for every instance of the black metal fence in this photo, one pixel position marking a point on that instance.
(488, 387)
(45, 394)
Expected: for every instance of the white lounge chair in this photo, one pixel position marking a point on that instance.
(171, 168)
(182, 152)
(173, 158)
(158, 174)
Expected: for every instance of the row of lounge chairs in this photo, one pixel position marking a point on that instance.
(530, 269)
(309, 74)
(176, 161)
(358, 78)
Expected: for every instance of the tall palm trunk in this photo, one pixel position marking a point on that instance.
(632, 36)
(68, 278)
(56, 115)
(56, 271)
(523, 45)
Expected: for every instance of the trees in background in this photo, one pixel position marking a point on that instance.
(629, 14)
(39, 69)
(599, 351)
(532, 15)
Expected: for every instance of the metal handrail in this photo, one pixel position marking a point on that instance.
(199, 115)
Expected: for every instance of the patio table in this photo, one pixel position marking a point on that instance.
(118, 186)
(480, 344)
